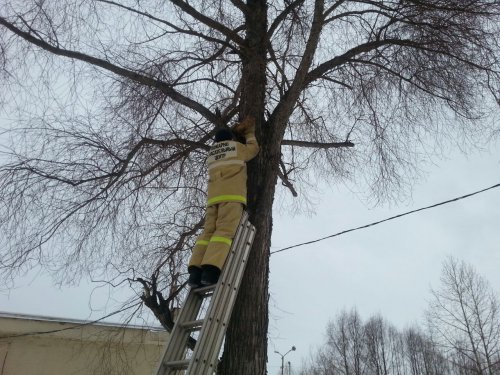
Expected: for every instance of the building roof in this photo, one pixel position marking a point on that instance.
(43, 318)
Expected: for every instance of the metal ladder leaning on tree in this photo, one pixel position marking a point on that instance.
(213, 323)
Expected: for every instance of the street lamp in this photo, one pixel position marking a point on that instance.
(283, 358)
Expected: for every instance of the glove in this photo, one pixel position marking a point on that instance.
(245, 126)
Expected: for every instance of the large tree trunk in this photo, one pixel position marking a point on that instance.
(245, 350)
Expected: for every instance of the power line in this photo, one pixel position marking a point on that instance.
(274, 252)
(387, 219)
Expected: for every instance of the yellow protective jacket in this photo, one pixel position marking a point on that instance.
(227, 169)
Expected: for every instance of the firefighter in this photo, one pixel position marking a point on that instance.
(227, 197)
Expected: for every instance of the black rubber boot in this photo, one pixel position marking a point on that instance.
(194, 280)
(209, 275)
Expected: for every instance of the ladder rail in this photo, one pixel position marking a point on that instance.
(213, 332)
(203, 360)
(176, 344)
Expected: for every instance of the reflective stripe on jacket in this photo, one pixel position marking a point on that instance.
(227, 170)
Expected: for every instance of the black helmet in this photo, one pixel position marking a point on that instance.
(223, 134)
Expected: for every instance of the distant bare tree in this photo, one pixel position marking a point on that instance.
(111, 106)
(463, 337)
(397, 353)
(346, 338)
(376, 347)
(424, 358)
(464, 319)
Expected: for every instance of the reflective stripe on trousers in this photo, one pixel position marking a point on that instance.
(212, 246)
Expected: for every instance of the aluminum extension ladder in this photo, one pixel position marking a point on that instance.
(213, 323)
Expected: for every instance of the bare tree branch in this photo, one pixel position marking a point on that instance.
(126, 73)
(279, 19)
(321, 145)
(209, 21)
(286, 181)
(169, 24)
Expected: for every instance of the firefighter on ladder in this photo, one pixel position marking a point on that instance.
(227, 197)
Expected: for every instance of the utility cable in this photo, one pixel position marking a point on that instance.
(387, 219)
(274, 252)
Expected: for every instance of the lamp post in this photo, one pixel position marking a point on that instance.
(283, 358)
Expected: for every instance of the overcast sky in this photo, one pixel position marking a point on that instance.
(387, 269)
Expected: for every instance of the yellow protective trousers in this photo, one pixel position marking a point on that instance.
(212, 246)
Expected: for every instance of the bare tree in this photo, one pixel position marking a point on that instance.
(112, 105)
(343, 351)
(464, 319)
(376, 344)
(389, 351)
(353, 347)
(423, 357)
(346, 339)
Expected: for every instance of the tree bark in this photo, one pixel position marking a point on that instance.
(245, 350)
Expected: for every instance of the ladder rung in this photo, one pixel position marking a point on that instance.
(205, 290)
(193, 325)
(178, 364)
